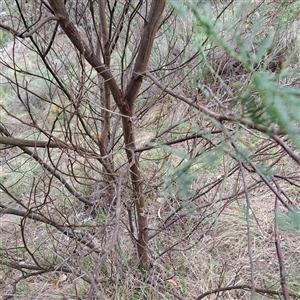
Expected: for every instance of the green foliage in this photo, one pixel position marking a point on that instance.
(23, 289)
(273, 106)
(264, 170)
(4, 38)
(289, 222)
(180, 178)
(266, 101)
(178, 6)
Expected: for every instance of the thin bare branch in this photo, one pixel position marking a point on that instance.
(280, 256)
(216, 116)
(250, 254)
(31, 143)
(240, 287)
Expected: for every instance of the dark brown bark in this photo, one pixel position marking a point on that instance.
(103, 44)
(125, 102)
(75, 36)
(144, 53)
(131, 93)
(30, 143)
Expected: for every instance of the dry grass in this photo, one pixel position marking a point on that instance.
(218, 258)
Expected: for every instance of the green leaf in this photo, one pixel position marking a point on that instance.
(295, 218)
(178, 152)
(261, 51)
(178, 6)
(289, 222)
(265, 170)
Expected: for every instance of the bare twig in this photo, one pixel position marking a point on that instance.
(248, 230)
(180, 140)
(32, 31)
(115, 234)
(30, 143)
(287, 149)
(40, 24)
(64, 229)
(279, 255)
(240, 287)
(49, 169)
(220, 117)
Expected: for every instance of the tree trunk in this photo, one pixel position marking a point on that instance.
(130, 96)
(103, 44)
(125, 102)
